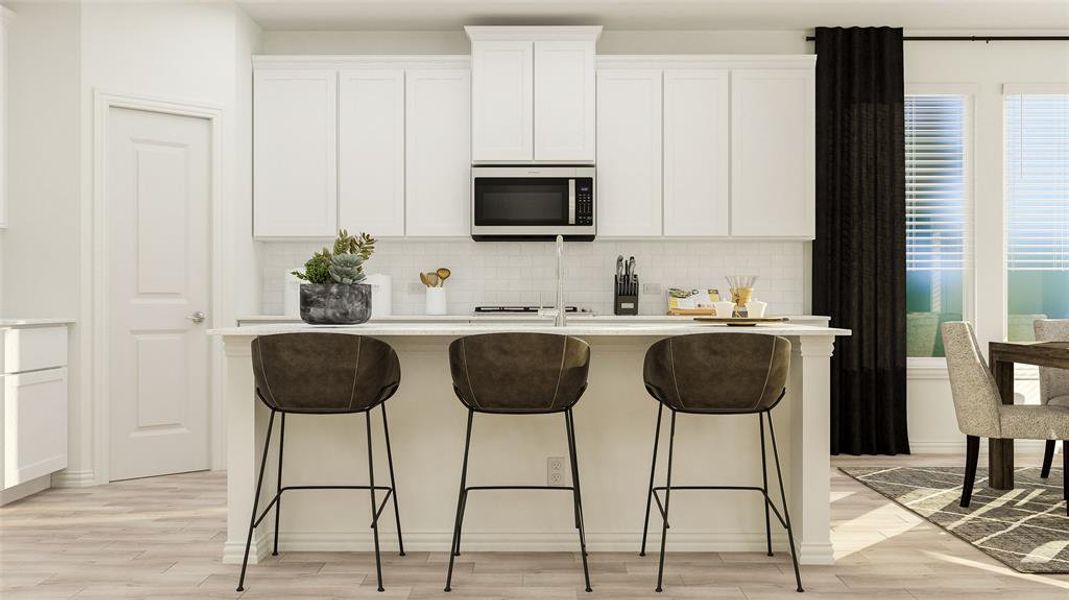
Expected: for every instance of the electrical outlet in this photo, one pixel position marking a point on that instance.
(415, 287)
(650, 289)
(555, 471)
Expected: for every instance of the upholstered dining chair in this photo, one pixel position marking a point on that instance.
(1053, 383)
(980, 411)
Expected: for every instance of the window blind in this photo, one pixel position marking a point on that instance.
(1037, 181)
(937, 201)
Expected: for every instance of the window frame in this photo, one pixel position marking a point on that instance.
(935, 367)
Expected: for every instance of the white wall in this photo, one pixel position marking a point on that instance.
(982, 69)
(61, 54)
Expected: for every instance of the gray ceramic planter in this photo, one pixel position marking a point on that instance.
(335, 303)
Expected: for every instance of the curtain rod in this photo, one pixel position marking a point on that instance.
(976, 38)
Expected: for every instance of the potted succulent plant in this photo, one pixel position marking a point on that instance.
(335, 293)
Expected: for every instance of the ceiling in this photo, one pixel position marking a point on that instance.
(928, 15)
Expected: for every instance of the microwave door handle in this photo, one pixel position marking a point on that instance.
(571, 202)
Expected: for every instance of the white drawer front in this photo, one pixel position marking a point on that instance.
(35, 425)
(33, 348)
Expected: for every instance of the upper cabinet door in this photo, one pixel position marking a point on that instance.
(437, 147)
(629, 152)
(502, 101)
(696, 152)
(772, 167)
(564, 101)
(294, 144)
(371, 147)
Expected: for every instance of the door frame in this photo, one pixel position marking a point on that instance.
(96, 283)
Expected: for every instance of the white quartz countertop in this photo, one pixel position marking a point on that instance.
(513, 317)
(590, 328)
(20, 323)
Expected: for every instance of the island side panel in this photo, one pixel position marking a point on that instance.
(809, 390)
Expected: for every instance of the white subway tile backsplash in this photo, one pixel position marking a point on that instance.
(521, 273)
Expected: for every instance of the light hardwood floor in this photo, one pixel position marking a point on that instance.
(162, 537)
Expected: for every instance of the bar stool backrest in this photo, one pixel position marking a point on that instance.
(718, 373)
(324, 373)
(519, 373)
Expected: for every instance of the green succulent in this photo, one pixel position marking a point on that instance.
(343, 264)
(346, 268)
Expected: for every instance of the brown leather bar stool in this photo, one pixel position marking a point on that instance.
(519, 374)
(718, 374)
(324, 374)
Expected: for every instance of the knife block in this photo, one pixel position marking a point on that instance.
(625, 299)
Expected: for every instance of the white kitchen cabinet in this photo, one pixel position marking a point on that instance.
(564, 105)
(437, 151)
(629, 153)
(502, 102)
(371, 151)
(295, 153)
(5, 15)
(772, 153)
(33, 406)
(696, 152)
(533, 94)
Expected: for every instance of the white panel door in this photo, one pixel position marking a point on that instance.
(295, 186)
(564, 101)
(158, 186)
(772, 167)
(629, 152)
(696, 146)
(437, 147)
(502, 101)
(35, 424)
(371, 151)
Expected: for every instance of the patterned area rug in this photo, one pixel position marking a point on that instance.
(1025, 528)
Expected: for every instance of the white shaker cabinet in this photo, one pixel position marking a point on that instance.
(629, 153)
(564, 101)
(437, 151)
(772, 153)
(696, 152)
(533, 94)
(33, 406)
(371, 151)
(502, 102)
(295, 153)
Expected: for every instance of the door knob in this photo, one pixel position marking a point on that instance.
(197, 317)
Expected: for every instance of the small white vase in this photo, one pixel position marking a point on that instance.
(435, 301)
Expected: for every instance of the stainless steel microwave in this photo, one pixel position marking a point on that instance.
(532, 203)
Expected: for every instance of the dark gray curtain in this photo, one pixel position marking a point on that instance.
(859, 255)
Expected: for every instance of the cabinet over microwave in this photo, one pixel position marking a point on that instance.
(532, 203)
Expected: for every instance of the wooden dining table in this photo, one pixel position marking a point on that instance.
(1001, 357)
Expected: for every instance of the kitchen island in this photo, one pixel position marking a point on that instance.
(614, 421)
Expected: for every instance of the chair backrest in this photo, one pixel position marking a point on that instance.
(324, 373)
(1053, 383)
(519, 373)
(718, 373)
(976, 398)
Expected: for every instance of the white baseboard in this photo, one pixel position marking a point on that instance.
(24, 489)
(234, 552)
(74, 479)
(439, 541)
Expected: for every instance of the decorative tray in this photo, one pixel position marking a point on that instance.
(740, 321)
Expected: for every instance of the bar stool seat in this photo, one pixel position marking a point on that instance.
(718, 374)
(324, 374)
(519, 374)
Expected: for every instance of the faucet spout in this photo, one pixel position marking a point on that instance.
(558, 319)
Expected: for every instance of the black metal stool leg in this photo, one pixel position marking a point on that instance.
(764, 484)
(653, 469)
(374, 503)
(783, 498)
(667, 497)
(278, 486)
(463, 511)
(454, 548)
(393, 484)
(569, 423)
(256, 503)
